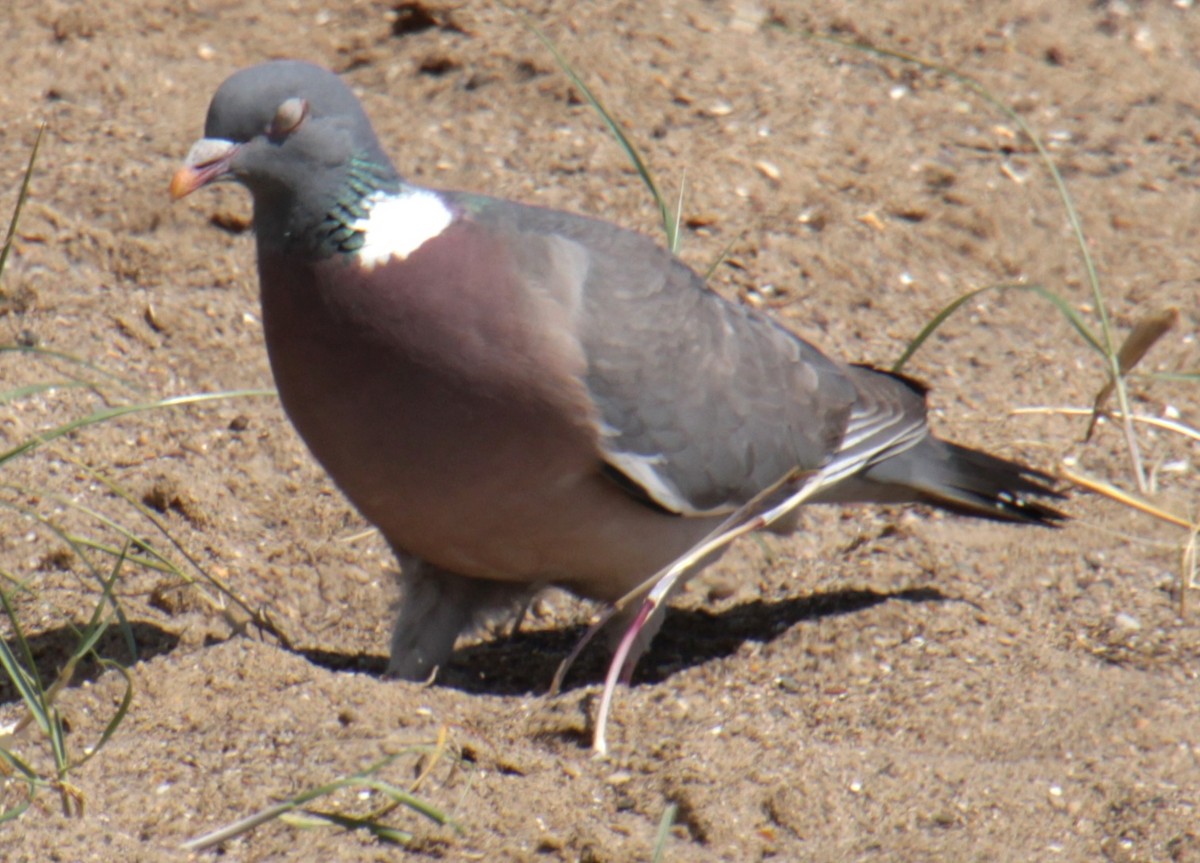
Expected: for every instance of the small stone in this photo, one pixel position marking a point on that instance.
(768, 169)
(789, 684)
(1127, 622)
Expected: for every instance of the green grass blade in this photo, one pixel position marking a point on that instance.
(1072, 316)
(21, 197)
(93, 632)
(61, 356)
(1108, 341)
(308, 820)
(156, 562)
(123, 410)
(161, 562)
(36, 389)
(24, 677)
(670, 223)
(77, 548)
(26, 681)
(294, 810)
(712, 268)
(97, 625)
(1187, 377)
(402, 797)
(23, 681)
(115, 722)
(28, 776)
(664, 831)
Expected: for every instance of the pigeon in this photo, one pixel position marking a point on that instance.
(522, 398)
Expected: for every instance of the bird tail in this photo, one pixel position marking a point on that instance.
(966, 481)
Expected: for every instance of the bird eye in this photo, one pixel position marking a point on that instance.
(288, 116)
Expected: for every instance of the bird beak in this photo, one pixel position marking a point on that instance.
(207, 162)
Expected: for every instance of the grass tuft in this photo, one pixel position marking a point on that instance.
(1119, 360)
(36, 753)
(387, 797)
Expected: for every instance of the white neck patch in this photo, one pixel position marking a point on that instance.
(396, 225)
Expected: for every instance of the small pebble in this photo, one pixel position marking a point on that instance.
(1127, 622)
(768, 169)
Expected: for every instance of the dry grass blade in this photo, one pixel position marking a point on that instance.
(1157, 422)
(1187, 574)
(1188, 566)
(1140, 340)
(1124, 498)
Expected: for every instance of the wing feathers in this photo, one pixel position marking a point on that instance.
(700, 403)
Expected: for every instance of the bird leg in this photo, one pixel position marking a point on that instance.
(759, 512)
(436, 607)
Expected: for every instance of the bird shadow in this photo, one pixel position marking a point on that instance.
(526, 662)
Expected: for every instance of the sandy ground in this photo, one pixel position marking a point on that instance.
(887, 684)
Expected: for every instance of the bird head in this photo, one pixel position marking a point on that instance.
(292, 133)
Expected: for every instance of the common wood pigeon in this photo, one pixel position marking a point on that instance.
(519, 397)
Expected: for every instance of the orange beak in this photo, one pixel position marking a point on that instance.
(207, 162)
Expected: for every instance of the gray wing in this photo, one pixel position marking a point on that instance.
(704, 403)
(701, 403)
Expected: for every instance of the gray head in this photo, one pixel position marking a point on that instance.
(297, 138)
